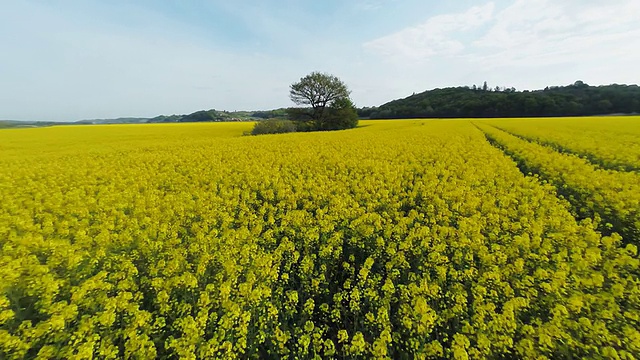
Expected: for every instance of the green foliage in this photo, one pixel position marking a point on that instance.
(318, 90)
(274, 126)
(270, 114)
(578, 99)
(301, 116)
(328, 98)
(203, 116)
(8, 124)
(341, 115)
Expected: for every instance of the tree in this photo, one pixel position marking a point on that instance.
(341, 115)
(328, 98)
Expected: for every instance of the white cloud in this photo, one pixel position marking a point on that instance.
(545, 32)
(525, 33)
(528, 44)
(435, 37)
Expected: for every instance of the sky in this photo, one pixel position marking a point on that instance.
(67, 60)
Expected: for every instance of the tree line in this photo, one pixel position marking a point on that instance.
(577, 99)
(212, 115)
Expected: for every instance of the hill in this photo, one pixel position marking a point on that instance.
(198, 116)
(122, 120)
(204, 116)
(578, 99)
(8, 124)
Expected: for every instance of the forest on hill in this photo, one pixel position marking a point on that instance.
(578, 99)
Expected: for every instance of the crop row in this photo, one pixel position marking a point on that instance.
(610, 195)
(611, 143)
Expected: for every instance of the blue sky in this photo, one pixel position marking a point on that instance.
(68, 60)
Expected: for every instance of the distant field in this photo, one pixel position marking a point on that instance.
(471, 239)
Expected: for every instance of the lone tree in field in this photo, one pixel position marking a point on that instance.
(328, 98)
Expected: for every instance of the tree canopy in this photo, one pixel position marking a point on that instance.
(326, 97)
(578, 99)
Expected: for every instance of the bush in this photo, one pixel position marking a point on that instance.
(273, 126)
(341, 115)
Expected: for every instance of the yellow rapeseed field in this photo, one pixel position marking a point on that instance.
(398, 239)
(611, 142)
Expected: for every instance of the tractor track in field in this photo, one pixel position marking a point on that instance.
(579, 201)
(591, 158)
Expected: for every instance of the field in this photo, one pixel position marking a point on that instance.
(404, 239)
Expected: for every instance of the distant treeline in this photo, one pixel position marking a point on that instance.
(578, 99)
(202, 116)
(271, 114)
(212, 115)
(9, 124)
